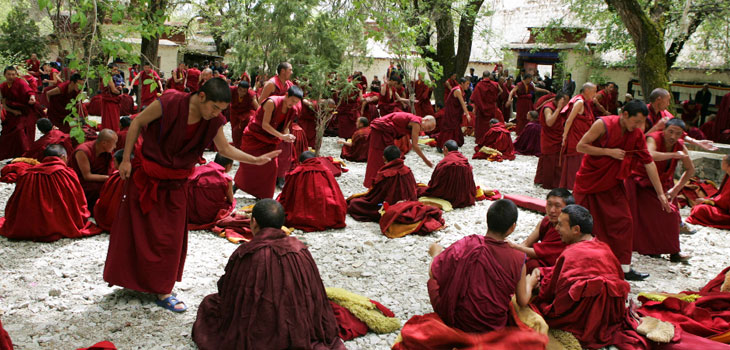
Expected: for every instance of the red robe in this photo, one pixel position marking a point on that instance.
(387, 103)
(383, 133)
(717, 215)
(570, 160)
(690, 111)
(600, 188)
(502, 100)
(585, 294)
(100, 164)
(722, 121)
(394, 182)
(147, 96)
(475, 299)
(608, 101)
(107, 205)
(308, 121)
(11, 172)
(548, 248)
(410, 217)
(358, 152)
(207, 194)
(110, 105)
(126, 105)
(551, 138)
(660, 234)
(283, 161)
(121, 138)
(452, 180)
(5, 342)
(270, 297)
(450, 123)
(148, 242)
(48, 204)
(710, 131)
(53, 137)
(192, 82)
(347, 113)
(34, 66)
(485, 97)
(524, 104)
(655, 117)
(498, 137)
(242, 111)
(57, 111)
(18, 131)
(528, 143)
(179, 74)
(423, 95)
(312, 198)
(371, 109)
(447, 90)
(260, 180)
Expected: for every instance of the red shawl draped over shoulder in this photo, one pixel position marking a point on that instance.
(717, 215)
(383, 133)
(499, 138)
(528, 143)
(207, 195)
(18, 131)
(394, 182)
(110, 197)
(484, 97)
(581, 123)
(450, 123)
(358, 152)
(53, 137)
(548, 248)
(452, 180)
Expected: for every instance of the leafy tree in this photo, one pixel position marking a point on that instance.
(20, 34)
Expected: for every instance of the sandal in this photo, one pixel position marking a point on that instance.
(170, 302)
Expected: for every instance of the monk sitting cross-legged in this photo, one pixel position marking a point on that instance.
(394, 182)
(92, 162)
(357, 149)
(210, 192)
(497, 137)
(544, 246)
(271, 295)
(715, 211)
(110, 196)
(311, 196)
(50, 136)
(528, 143)
(452, 179)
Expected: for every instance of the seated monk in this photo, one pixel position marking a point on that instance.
(452, 179)
(543, 246)
(311, 196)
(528, 143)
(92, 162)
(271, 295)
(124, 123)
(357, 149)
(110, 196)
(715, 211)
(48, 202)
(50, 136)
(394, 182)
(499, 138)
(210, 192)
(473, 280)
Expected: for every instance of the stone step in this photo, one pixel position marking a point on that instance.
(707, 165)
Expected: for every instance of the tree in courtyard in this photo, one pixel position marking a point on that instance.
(20, 35)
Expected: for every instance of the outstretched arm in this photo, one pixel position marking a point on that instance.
(225, 149)
(415, 131)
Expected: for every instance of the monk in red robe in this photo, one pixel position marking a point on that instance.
(110, 196)
(147, 77)
(92, 162)
(714, 211)
(193, 75)
(110, 101)
(59, 97)
(369, 108)
(551, 133)
(449, 85)
(210, 192)
(472, 281)
(657, 231)
(124, 123)
(614, 145)
(423, 96)
(33, 64)
(528, 143)
(348, 111)
(578, 118)
(605, 101)
(18, 124)
(356, 150)
(48, 202)
(268, 283)
(383, 133)
(543, 246)
(50, 136)
(660, 101)
(394, 182)
(243, 106)
(391, 99)
(269, 127)
(308, 120)
(525, 91)
(179, 76)
(148, 242)
(311, 196)
(499, 138)
(452, 179)
(485, 97)
(454, 109)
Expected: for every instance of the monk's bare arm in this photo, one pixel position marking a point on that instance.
(659, 156)
(113, 87)
(533, 237)
(499, 86)
(149, 114)
(688, 173)
(459, 95)
(657, 183)
(266, 91)
(83, 161)
(539, 89)
(585, 144)
(530, 252)
(53, 92)
(577, 109)
(255, 103)
(511, 94)
(522, 293)
(550, 116)
(433, 250)
(705, 144)
(225, 149)
(229, 192)
(269, 107)
(415, 131)
(598, 105)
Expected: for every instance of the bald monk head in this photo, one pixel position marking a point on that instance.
(391, 153)
(44, 125)
(588, 90)
(660, 99)
(532, 116)
(125, 122)
(556, 200)
(501, 218)
(223, 161)
(428, 123)
(267, 213)
(55, 150)
(306, 155)
(284, 70)
(362, 122)
(633, 115)
(463, 83)
(106, 142)
(486, 76)
(206, 74)
(450, 146)
(215, 95)
(673, 131)
(575, 224)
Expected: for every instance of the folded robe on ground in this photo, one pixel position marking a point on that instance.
(357, 314)
(404, 218)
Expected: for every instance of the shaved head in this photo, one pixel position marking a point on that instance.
(428, 123)
(657, 93)
(587, 86)
(107, 135)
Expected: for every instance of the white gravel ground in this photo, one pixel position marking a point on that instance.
(52, 296)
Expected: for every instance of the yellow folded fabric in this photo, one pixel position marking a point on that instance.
(490, 151)
(364, 310)
(437, 202)
(691, 298)
(31, 161)
(425, 141)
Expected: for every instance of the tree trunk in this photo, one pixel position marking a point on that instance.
(150, 44)
(150, 47)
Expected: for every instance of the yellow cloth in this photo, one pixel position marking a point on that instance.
(364, 310)
(490, 151)
(691, 298)
(437, 202)
(358, 195)
(31, 161)
(425, 141)
(726, 285)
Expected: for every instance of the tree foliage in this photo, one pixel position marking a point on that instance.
(20, 35)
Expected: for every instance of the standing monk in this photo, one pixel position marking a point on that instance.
(59, 97)
(454, 109)
(110, 100)
(659, 114)
(578, 119)
(18, 126)
(383, 133)
(551, 133)
(524, 90)
(147, 77)
(92, 162)
(243, 106)
(279, 85)
(449, 85)
(179, 77)
(148, 243)
(423, 96)
(604, 103)
(269, 127)
(193, 75)
(613, 145)
(484, 97)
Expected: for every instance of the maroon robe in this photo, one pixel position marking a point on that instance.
(717, 215)
(423, 95)
(571, 160)
(475, 300)
(358, 152)
(121, 138)
(283, 161)
(270, 297)
(5, 342)
(450, 123)
(241, 110)
(608, 101)
(722, 121)
(260, 180)
(499, 138)
(548, 247)
(600, 188)
(147, 96)
(452, 180)
(47, 204)
(383, 133)
(107, 205)
(387, 102)
(394, 182)
(126, 105)
(502, 101)
(447, 90)
(524, 104)
(110, 106)
(192, 81)
(18, 131)
(551, 138)
(148, 242)
(308, 121)
(655, 231)
(655, 117)
(485, 97)
(207, 194)
(528, 143)
(312, 198)
(100, 164)
(57, 111)
(371, 109)
(347, 113)
(53, 137)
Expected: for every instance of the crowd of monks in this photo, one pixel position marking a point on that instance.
(142, 178)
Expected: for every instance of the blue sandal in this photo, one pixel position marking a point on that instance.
(170, 302)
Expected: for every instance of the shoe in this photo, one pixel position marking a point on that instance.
(632, 275)
(679, 258)
(280, 182)
(170, 302)
(655, 256)
(685, 230)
